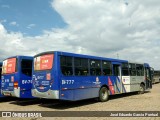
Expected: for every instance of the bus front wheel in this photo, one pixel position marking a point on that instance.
(142, 89)
(103, 94)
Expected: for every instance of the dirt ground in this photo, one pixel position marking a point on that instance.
(149, 101)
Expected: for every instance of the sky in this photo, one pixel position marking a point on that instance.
(124, 29)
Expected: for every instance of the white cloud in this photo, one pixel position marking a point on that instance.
(97, 27)
(31, 26)
(3, 21)
(5, 6)
(13, 23)
(12, 43)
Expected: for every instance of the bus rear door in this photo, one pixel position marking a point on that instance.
(25, 81)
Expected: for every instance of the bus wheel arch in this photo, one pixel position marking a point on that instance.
(104, 93)
(142, 88)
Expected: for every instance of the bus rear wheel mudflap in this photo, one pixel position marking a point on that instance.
(141, 89)
(103, 94)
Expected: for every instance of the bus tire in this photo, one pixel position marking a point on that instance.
(103, 94)
(142, 89)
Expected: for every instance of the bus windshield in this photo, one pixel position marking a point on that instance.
(9, 66)
(43, 62)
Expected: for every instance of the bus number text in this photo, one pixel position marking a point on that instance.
(67, 82)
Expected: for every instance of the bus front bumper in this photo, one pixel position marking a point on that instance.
(50, 94)
(14, 93)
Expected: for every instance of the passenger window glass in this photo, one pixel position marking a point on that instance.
(140, 70)
(26, 67)
(116, 70)
(66, 65)
(95, 67)
(81, 66)
(106, 68)
(132, 69)
(125, 71)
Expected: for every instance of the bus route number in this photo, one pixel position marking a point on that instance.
(67, 82)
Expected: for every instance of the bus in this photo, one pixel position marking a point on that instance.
(156, 76)
(0, 77)
(152, 74)
(17, 77)
(69, 76)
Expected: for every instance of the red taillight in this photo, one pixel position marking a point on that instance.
(15, 84)
(48, 76)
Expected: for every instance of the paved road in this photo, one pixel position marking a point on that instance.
(150, 101)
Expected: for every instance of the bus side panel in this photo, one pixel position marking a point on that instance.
(88, 87)
(115, 85)
(67, 95)
(86, 93)
(1, 89)
(132, 83)
(78, 88)
(70, 88)
(135, 82)
(79, 94)
(126, 82)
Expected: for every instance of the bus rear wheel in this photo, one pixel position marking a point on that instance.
(142, 89)
(103, 94)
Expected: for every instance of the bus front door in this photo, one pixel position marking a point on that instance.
(118, 78)
(148, 78)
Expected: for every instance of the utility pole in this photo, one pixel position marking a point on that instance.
(117, 56)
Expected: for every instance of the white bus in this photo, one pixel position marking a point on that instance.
(156, 76)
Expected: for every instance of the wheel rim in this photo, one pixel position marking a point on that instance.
(104, 94)
(141, 89)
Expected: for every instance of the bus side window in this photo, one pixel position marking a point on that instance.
(66, 65)
(81, 66)
(77, 66)
(116, 70)
(95, 67)
(132, 69)
(106, 68)
(125, 71)
(26, 67)
(140, 70)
